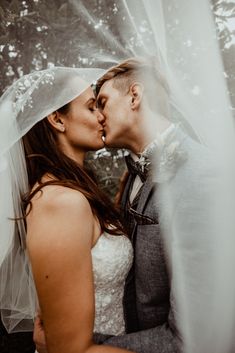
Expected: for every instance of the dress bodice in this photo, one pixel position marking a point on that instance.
(111, 258)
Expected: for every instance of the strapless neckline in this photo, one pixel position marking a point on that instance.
(105, 235)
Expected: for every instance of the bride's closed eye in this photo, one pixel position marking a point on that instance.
(91, 104)
(92, 107)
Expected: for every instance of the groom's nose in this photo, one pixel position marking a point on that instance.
(101, 118)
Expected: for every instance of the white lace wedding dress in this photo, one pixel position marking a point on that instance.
(112, 258)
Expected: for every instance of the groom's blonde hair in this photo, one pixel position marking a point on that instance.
(145, 71)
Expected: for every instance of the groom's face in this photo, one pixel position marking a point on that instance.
(115, 107)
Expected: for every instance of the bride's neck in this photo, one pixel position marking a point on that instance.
(75, 154)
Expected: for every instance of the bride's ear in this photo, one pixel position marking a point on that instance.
(136, 92)
(56, 121)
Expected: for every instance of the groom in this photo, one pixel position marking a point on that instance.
(166, 199)
(133, 97)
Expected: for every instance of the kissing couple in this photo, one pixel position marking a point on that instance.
(101, 275)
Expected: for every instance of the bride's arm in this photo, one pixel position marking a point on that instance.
(60, 234)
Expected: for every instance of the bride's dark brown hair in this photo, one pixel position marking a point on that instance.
(44, 157)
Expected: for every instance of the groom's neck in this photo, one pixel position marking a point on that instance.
(148, 130)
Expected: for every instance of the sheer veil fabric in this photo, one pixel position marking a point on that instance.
(181, 36)
(26, 102)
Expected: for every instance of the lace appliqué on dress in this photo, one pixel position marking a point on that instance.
(112, 258)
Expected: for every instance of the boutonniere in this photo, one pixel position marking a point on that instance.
(144, 162)
(147, 156)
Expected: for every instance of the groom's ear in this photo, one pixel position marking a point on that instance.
(56, 121)
(136, 92)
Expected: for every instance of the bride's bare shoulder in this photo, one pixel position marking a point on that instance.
(59, 210)
(59, 214)
(53, 197)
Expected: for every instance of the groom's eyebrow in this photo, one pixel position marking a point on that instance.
(99, 100)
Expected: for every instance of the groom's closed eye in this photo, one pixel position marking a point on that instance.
(101, 103)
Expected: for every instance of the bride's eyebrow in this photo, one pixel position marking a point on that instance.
(90, 101)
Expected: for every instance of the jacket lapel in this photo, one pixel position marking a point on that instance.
(146, 189)
(145, 192)
(125, 194)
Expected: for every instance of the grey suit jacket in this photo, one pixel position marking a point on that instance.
(149, 300)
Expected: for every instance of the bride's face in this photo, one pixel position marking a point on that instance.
(83, 123)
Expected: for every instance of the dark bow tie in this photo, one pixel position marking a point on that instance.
(136, 168)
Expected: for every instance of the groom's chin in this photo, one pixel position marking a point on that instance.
(107, 141)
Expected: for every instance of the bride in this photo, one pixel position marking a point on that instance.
(76, 246)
